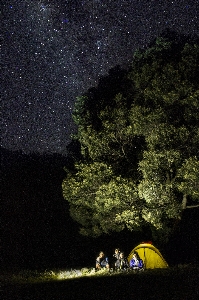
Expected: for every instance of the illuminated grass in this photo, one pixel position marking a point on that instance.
(27, 276)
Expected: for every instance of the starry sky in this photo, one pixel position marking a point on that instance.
(53, 51)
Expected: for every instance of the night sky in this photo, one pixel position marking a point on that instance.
(54, 50)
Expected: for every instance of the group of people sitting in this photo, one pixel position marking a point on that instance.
(119, 261)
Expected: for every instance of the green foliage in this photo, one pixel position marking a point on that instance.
(140, 145)
(80, 115)
(188, 176)
(157, 188)
(99, 200)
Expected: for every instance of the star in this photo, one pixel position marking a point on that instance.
(53, 51)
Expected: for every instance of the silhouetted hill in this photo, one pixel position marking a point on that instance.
(37, 228)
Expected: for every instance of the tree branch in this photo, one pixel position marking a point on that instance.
(192, 206)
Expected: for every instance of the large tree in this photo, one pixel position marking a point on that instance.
(140, 152)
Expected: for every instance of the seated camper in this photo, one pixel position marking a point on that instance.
(102, 261)
(121, 263)
(136, 262)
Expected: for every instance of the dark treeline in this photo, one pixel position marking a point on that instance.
(37, 230)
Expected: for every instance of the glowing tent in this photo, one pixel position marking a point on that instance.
(151, 256)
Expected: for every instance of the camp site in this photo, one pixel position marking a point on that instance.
(157, 281)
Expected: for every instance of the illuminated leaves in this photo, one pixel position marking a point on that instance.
(189, 178)
(141, 155)
(101, 202)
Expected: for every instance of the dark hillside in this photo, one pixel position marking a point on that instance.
(35, 219)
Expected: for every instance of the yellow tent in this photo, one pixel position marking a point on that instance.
(151, 256)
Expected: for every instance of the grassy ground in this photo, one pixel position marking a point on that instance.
(180, 282)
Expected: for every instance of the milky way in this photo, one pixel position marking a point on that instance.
(53, 51)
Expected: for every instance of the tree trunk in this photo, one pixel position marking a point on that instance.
(184, 201)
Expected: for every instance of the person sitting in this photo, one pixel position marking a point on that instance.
(102, 261)
(122, 263)
(136, 262)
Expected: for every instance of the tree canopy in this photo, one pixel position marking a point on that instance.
(139, 140)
